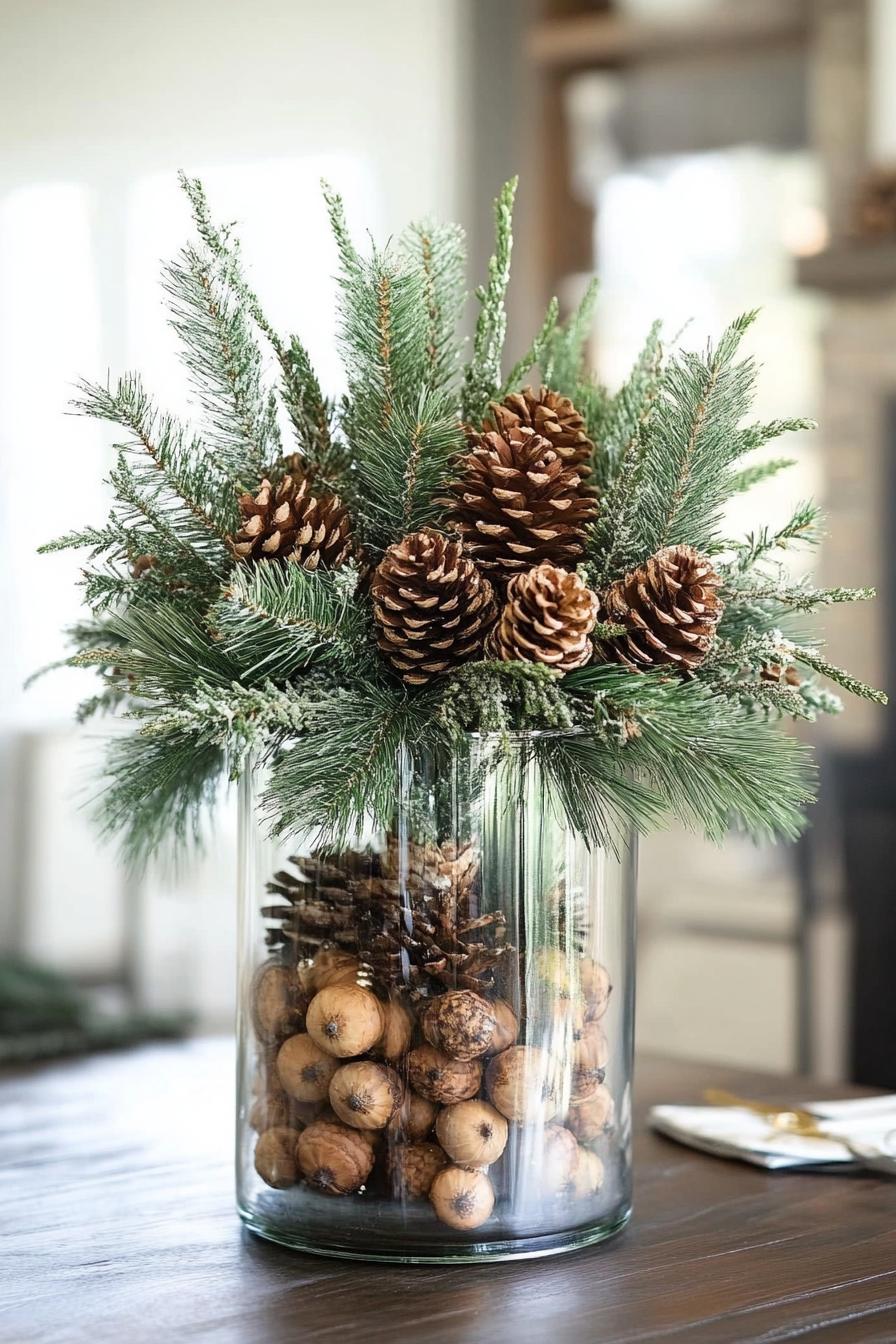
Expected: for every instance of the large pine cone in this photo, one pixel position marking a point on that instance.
(290, 521)
(547, 618)
(433, 608)
(411, 913)
(551, 415)
(518, 502)
(670, 608)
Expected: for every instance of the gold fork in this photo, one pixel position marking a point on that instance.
(803, 1124)
(788, 1119)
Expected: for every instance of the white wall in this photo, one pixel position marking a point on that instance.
(101, 101)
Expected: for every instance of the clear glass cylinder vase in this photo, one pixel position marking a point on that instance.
(435, 1021)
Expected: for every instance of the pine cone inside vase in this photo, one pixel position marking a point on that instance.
(670, 608)
(551, 415)
(547, 618)
(312, 903)
(410, 912)
(518, 502)
(291, 521)
(433, 608)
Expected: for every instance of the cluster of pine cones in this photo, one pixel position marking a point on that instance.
(501, 582)
(408, 914)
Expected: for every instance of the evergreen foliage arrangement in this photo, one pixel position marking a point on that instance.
(449, 548)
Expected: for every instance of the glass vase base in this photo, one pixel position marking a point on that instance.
(524, 1248)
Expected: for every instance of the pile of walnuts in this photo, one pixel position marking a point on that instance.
(355, 1093)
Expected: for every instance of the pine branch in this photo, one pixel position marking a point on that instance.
(799, 596)
(504, 698)
(346, 771)
(160, 794)
(275, 619)
(482, 377)
(166, 650)
(403, 467)
(587, 789)
(751, 437)
(237, 718)
(708, 758)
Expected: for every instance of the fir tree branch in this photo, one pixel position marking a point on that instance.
(692, 441)
(747, 477)
(803, 528)
(613, 544)
(537, 352)
(816, 660)
(799, 596)
(191, 487)
(438, 251)
(482, 377)
(563, 364)
(305, 403)
(225, 364)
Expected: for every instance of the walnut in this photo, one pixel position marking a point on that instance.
(333, 967)
(333, 1158)
(460, 1022)
(396, 1038)
(472, 1133)
(345, 1020)
(275, 1156)
(596, 986)
(278, 1004)
(594, 1117)
(365, 1095)
(414, 1117)
(462, 1197)
(558, 1160)
(588, 1176)
(591, 1052)
(440, 1078)
(304, 1069)
(412, 1167)
(270, 1111)
(506, 1027)
(521, 1082)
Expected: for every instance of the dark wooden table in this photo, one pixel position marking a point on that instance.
(117, 1224)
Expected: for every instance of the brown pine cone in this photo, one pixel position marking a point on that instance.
(547, 618)
(292, 522)
(433, 608)
(551, 415)
(670, 608)
(518, 502)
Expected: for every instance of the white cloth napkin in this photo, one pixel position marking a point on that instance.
(867, 1123)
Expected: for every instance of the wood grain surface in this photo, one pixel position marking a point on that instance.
(117, 1224)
